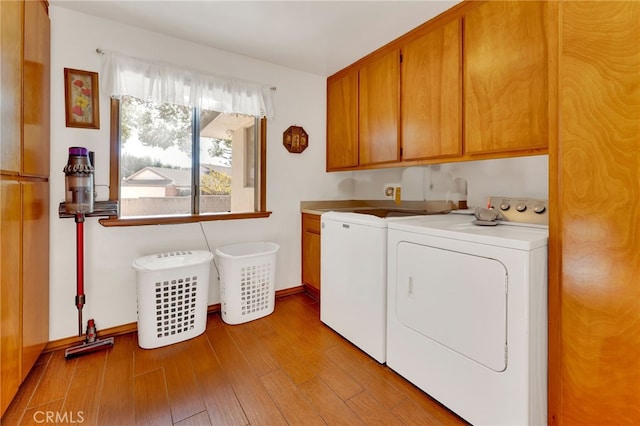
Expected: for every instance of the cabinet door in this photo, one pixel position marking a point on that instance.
(35, 272)
(342, 121)
(431, 95)
(379, 103)
(311, 250)
(10, 260)
(10, 82)
(36, 89)
(506, 81)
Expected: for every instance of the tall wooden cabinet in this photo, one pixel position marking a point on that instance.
(594, 245)
(24, 190)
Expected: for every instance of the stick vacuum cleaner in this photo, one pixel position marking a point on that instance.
(79, 202)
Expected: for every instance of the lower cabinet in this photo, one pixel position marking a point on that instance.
(10, 340)
(311, 253)
(24, 282)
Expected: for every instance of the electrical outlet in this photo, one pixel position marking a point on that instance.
(389, 190)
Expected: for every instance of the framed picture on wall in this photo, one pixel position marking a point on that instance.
(81, 99)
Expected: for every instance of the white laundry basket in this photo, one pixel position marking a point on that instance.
(247, 280)
(172, 290)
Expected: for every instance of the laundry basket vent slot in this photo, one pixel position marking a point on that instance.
(175, 306)
(173, 253)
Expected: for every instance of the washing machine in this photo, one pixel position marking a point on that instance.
(354, 279)
(467, 310)
(353, 299)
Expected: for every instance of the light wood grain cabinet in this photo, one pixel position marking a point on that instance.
(474, 83)
(24, 191)
(35, 271)
(342, 121)
(36, 77)
(363, 114)
(311, 252)
(379, 110)
(11, 19)
(10, 262)
(506, 76)
(431, 96)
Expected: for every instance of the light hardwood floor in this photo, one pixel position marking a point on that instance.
(285, 368)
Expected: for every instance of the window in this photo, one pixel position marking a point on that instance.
(196, 153)
(173, 163)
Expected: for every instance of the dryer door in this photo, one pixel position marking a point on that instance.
(456, 299)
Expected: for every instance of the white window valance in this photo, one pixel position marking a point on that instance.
(166, 83)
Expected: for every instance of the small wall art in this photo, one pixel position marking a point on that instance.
(295, 139)
(81, 99)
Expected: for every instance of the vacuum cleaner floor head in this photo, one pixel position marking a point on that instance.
(86, 348)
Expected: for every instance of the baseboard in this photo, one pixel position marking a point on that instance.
(133, 327)
(313, 292)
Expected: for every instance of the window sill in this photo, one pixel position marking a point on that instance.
(114, 221)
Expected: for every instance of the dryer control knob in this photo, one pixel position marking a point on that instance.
(521, 207)
(504, 206)
(539, 208)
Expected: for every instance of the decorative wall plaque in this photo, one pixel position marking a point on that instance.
(295, 139)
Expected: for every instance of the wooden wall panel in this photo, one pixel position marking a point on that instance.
(595, 302)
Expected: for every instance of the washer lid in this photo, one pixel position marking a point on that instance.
(460, 227)
(356, 218)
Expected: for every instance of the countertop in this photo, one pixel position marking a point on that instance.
(319, 207)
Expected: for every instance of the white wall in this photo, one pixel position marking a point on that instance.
(511, 177)
(110, 282)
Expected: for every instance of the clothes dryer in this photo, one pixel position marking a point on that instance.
(467, 312)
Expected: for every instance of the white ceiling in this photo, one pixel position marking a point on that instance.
(319, 37)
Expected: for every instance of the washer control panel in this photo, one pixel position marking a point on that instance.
(521, 210)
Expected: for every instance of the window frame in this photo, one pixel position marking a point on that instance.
(114, 183)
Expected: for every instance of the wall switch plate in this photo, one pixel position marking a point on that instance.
(398, 195)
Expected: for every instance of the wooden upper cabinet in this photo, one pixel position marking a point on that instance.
(431, 94)
(379, 109)
(36, 89)
(11, 13)
(25, 65)
(342, 121)
(506, 81)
